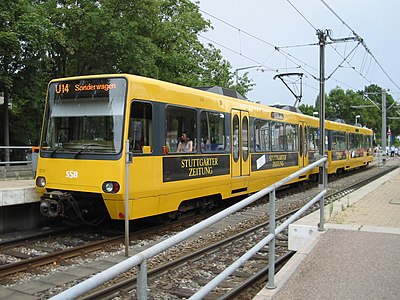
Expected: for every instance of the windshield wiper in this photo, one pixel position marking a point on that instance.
(55, 150)
(84, 149)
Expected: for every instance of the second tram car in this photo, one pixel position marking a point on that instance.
(190, 148)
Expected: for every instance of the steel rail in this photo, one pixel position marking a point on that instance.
(129, 284)
(58, 256)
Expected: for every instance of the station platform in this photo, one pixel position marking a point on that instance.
(18, 191)
(356, 257)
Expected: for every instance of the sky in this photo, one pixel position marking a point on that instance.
(248, 32)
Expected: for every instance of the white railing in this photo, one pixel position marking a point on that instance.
(141, 258)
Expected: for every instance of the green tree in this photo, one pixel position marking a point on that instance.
(307, 109)
(373, 115)
(346, 105)
(154, 38)
(23, 35)
(340, 105)
(41, 40)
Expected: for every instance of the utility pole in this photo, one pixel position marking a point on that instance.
(384, 143)
(323, 173)
(383, 108)
(322, 35)
(6, 134)
(322, 40)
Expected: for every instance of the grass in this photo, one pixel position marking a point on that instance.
(331, 209)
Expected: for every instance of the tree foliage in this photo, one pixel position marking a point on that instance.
(23, 60)
(367, 104)
(45, 39)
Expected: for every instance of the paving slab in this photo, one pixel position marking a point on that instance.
(348, 265)
(8, 294)
(32, 287)
(58, 278)
(356, 257)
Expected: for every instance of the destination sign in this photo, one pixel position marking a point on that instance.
(87, 88)
(277, 115)
(62, 88)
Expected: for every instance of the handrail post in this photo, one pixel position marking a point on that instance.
(142, 281)
(271, 256)
(126, 217)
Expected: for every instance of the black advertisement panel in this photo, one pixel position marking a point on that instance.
(273, 160)
(190, 167)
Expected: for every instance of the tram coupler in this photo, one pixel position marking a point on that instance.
(54, 204)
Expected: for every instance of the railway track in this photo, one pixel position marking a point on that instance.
(25, 254)
(182, 277)
(206, 254)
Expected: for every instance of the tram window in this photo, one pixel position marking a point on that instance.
(292, 137)
(141, 127)
(245, 138)
(355, 141)
(180, 120)
(235, 138)
(262, 138)
(212, 130)
(312, 139)
(338, 140)
(368, 144)
(352, 140)
(355, 144)
(277, 136)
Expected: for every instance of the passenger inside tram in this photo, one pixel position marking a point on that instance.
(185, 144)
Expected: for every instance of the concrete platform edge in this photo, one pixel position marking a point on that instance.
(290, 268)
(307, 227)
(300, 231)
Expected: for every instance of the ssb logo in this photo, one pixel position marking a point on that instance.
(71, 174)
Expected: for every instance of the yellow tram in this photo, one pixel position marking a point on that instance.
(190, 148)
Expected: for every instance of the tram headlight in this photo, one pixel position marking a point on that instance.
(40, 181)
(110, 187)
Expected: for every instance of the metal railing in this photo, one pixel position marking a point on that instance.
(141, 258)
(7, 153)
(11, 156)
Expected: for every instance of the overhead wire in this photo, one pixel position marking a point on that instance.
(344, 60)
(237, 28)
(279, 49)
(351, 67)
(239, 53)
(362, 42)
(249, 34)
(298, 62)
(288, 55)
(295, 8)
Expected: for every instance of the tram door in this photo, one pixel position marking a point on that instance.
(303, 153)
(240, 143)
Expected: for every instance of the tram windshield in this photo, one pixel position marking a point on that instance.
(85, 116)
